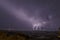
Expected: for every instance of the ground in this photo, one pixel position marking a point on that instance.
(28, 35)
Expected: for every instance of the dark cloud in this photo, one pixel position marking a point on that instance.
(10, 14)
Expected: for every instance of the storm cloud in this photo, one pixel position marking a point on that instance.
(23, 14)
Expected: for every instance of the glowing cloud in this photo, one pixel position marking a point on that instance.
(21, 15)
(37, 23)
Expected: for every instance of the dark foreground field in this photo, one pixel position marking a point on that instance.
(29, 35)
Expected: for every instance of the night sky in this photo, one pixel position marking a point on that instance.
(23, 14)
